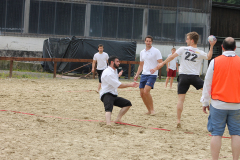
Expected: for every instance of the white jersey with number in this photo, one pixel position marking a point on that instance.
(191, 59)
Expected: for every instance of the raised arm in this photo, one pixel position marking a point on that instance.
(210, 53)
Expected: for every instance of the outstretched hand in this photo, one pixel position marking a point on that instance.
(120, 73)
(135, 84)
(160, 65)
(205, 108)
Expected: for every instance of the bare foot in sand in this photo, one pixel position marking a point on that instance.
(148, 113)
(151, 113)
(179, 125)
(108, 124)
(118, 121)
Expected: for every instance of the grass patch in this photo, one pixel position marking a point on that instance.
(25, 74)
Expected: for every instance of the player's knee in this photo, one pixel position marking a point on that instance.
(146, 92)
(141, 94)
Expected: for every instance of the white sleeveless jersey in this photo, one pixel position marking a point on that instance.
(191, 59)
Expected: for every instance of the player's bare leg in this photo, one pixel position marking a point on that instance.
(108, 118)
(147, 98)
(144, 99)
(121, 113)
(167, 79)
(181, 98)
(99, 87)
(215, 145)
(235, 146)
(171, 82)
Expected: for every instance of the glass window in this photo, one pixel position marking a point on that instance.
(63, 18)
(169, 25)
(96, 21)
(137, 23)
(78, 19)
(15, 15)
(189, 22)
(125, 20)
(34, 16)
(2, 15)
(155, 24)
(47, 17)
(110, 17)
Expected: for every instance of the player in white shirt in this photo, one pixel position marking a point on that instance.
(149, 58)
(172, 68)
(191, 58)
(109, 94)
(101, 59)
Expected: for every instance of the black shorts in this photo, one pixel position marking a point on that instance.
(99, 75)
(184, 82)
(109, 100)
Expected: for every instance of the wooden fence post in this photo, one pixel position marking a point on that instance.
(129, 71)
(159, 73)
(95, 68)
(11, 69)
(55, 69)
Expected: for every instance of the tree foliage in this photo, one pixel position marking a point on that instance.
(228, 1)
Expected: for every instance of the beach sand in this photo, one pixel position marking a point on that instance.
(64, 119)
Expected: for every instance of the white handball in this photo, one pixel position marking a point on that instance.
(212, 38)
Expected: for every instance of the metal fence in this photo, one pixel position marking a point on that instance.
(168, 21)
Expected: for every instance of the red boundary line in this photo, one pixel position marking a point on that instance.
(103, 121)
(83, 120)
(98, 121)
(82, 91)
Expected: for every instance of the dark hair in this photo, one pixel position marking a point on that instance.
(112, 58)
(149, 37)
(100, 45)
(229, 45)
(194, 36)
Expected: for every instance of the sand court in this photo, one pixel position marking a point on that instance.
(64, 119)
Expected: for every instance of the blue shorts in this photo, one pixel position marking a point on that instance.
(218, 119)
(147, 80)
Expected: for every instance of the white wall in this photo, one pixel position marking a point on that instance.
(21, 43)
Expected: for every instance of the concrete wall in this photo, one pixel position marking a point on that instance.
(21, 43)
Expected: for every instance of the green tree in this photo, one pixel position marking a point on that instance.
(228, 1)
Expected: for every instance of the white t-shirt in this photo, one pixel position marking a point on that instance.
(101, 60)
(150, 58)
(110, 81)
(191, 59)
(172, 63)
